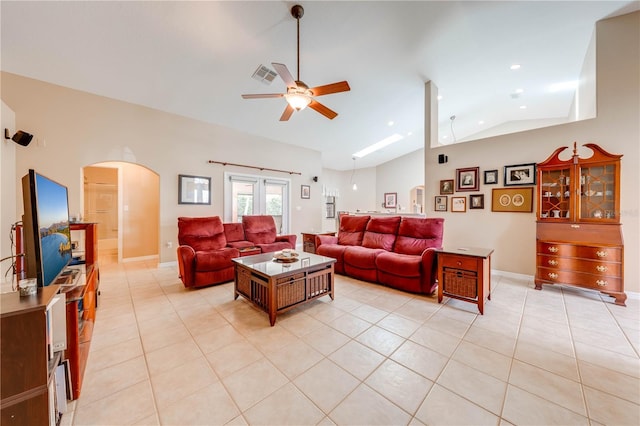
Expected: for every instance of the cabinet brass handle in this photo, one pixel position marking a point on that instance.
(601, 283)
(601, 268)
(553, 275)
(552, 262)
(601, 253)
(553, 249)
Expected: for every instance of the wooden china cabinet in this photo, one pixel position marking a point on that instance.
(578, 231)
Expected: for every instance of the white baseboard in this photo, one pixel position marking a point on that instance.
(141, 258)
(171, 264)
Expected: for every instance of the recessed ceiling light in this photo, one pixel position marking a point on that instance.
(481, 122)
(515, 67)
(390, 123)
(439, 97)
(519, 91)
(523, 107)
(409, 134)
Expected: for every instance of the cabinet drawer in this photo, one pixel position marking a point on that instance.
(459, 262)
(309, 238)
(572, 264)
(581, 279)
(610, 254)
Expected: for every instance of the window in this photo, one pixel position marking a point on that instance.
(255, 195)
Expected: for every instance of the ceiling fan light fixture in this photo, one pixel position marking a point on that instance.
(298, 101)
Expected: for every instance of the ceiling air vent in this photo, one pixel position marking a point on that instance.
(264, 74)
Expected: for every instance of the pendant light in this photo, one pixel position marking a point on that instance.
(354, 185)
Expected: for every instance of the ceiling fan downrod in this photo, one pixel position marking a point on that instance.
(297, 12)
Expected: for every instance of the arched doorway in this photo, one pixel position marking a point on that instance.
(124, 200)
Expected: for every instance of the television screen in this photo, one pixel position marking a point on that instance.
(47, 234)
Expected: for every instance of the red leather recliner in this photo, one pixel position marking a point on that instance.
(203, 256)
(261, 231)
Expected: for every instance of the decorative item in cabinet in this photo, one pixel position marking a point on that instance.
(578, 233)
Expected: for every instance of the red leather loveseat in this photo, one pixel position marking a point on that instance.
(206, 246)
(395, 251)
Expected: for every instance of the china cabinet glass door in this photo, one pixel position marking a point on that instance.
(597, 192)
(555, 194)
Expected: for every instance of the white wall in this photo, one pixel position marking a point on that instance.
(7, 185)
(75, 129)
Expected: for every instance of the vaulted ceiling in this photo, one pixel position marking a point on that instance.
(196, 58)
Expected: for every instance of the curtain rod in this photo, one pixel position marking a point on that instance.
(254, 167)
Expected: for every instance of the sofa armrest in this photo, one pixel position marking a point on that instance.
(429, 270)
(186, 265)
(291, 239)
(325, 239)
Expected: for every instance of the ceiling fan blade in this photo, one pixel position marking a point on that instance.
(263, 95)
(330, 114)
(287, 113)
(327, 89)
(284, 73)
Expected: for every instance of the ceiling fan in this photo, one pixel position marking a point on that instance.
(299, 95)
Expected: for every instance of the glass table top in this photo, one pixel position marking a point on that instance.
(266, 263)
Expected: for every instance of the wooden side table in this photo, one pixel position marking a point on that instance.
(309, 240)
(465, 274)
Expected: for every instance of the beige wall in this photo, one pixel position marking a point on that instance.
(7, 184)
(76, 129)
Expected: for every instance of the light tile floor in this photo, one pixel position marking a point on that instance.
(162, 354)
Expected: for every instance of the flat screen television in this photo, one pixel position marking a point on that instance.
(46, 230)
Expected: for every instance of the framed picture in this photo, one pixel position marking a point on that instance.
(468, 179)
(515, 200)
(490, 177)
(441, 203)
(446, 187)
(458, 204)
(330, 211)
(476, 201)
(520, 174)
(390, 200)
(194, 189)
(305, 191)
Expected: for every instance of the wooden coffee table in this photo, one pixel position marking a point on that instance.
(276, 287)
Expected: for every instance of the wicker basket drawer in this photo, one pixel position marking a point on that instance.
(243, 281)
(290, 290)
(460, 283)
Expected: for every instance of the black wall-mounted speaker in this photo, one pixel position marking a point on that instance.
(442, 158)
(315, 178)
(21, 138)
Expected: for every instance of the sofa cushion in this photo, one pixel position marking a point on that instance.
(381, 233)
(361, 257)
(201, 233)
(233, 231)
(214, 260)
(259, 229)
(417, 234)
(402, 265)
(352, 230)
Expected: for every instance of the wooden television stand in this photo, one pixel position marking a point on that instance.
(81, 303)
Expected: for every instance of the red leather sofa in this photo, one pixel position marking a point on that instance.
(206, 246)
(392, 250)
